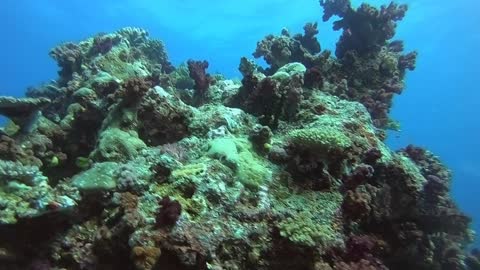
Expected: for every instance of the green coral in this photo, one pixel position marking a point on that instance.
(114, 63)
(324, 138)
(311, 217)
(252, 172)
(239, 155)
(117, 145)
(304, 230)
(25, 193)
(225, 150)
(84, 93)
(82, 163)
(289, 70)
(101, 177)
(16, 171)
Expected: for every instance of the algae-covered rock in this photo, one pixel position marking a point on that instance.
(224, 150)
(101, 177)
(117, 145)
(26, 194)
(84, 94)
(209, 117)
(280, 76)
(250, 170)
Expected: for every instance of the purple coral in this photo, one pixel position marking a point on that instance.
(198, 72)
(365, 29)
(169, 212)
(102, 44)
(334, 7)
(309, 40)
(278, 51)
(372, 156)
(359, 176)
(408, 61)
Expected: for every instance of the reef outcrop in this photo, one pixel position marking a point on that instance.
(131, 163)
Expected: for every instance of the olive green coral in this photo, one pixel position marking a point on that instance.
(117, 145)
(311, 217)
(304, 230)
(101, 177)
(238, 154)
(324, 138)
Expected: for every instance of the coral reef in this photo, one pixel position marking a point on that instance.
(369, 68)
(126, 162)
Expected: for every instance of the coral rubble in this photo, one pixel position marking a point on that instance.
(125, 162)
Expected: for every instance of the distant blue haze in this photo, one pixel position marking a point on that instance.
(440, 109)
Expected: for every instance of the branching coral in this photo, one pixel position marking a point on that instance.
(369, 67)
(69, 57)
(133, 90)
(365, 29)
(169, 212)
(281, 50)
(272, 98)
(203, 80)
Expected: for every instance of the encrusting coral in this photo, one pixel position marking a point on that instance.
(125, 162)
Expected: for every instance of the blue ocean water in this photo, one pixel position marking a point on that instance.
(439, 109)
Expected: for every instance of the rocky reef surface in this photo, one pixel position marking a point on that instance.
(127, 162)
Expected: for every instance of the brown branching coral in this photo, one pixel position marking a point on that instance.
(168, 213)
(203, 80)
(69, 58)
(133, 91)
(365, 29)
(308, 39)
(356, 205)
(270, 99)
(145, 258)
(278, 51)
(369, 68)
(102, 44)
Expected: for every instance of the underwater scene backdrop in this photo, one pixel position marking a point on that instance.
(199, 171)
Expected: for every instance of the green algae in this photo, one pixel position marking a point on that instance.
(238, 154)
(101, 177)
(117, 145)
(225, 150)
